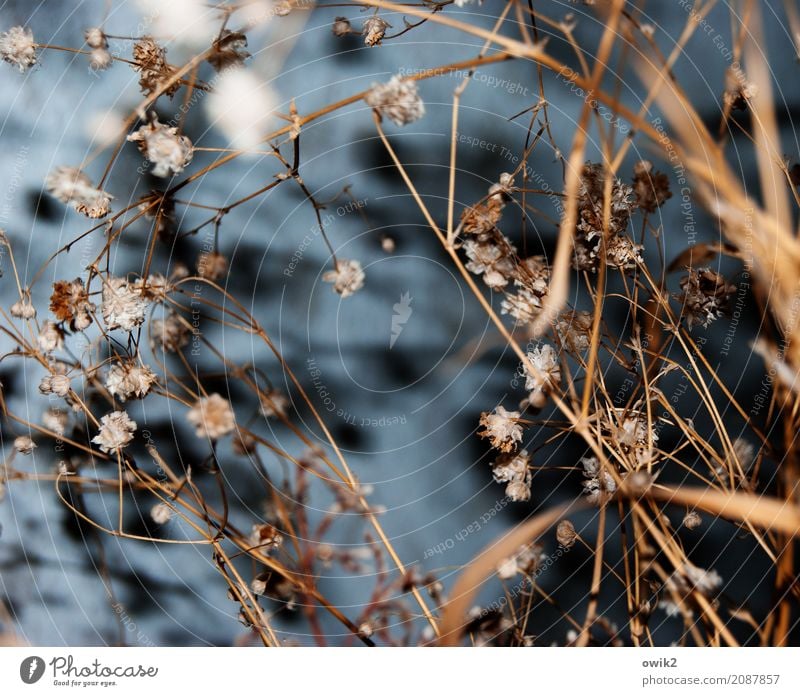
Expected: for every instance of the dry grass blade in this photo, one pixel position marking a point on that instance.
(485, 565)
(763, 233)
(766, 513)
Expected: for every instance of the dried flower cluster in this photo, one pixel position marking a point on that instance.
(70, 303)
(525, 562)
(99, 58)
(543, 374)
(229, 50)
(347, 277)
(212, 417)
(593, 236)
(374, 29)
(18, 48)
(124, 306)
(513, 469)
(599, 485)
(704, 296)
(398, 100)
(502, 428)
(678, 589)
(116, 431)
(150, 61)
(164, 147)
(129, 380)
(72, 186)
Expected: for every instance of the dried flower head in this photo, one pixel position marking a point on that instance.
(70, 302)
(55, 384)
(482, 256)
(127, 380)
(706, 582)
(592, 194)
(212, 265)
(169, 333)
(705, 295)
(228, 50)
(212, 417)
(623, 253)
(56, 419)
(531, 278)
(590, 228)
(325, 554)
(155, 287)
(533, 273)
(397, 100)
(544, 376)
(150, 61)
(374, 29)
(23, 309)
(503, 188)
(481, 220)
(116, 431)
(518, 491)
(525, 562)
(341, 26)
(629, 429)
(100, 59)
(95, 38)
(745, 453)
(123, 306)
(72, 186)
(514, 469)
(18, 48)
(599, 485)
(638, 482)
(744, 457)
(692, 520)
(650, 187)
(574, 330)
(502, 428)
(24, 445)
(523, 305)
(566, 534)
(347, 278)
(273, 403)
(265, 537)
(50, 338)
(507, 568)
(161, 513)
(258, 585)
(164, 147)
(491, 260)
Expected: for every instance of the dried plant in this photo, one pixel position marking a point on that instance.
(617, 293)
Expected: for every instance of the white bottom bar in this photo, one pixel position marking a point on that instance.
(462, 671)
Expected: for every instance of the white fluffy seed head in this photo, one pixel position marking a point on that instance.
(17, 48)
